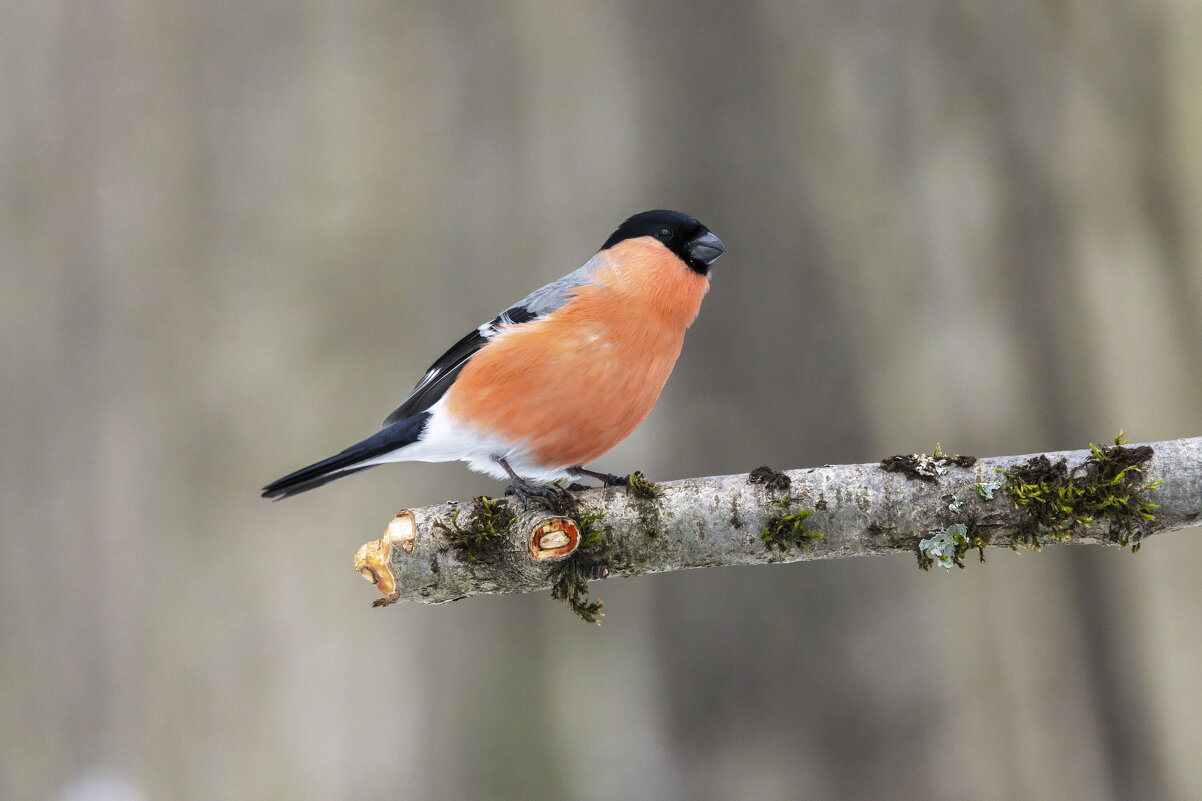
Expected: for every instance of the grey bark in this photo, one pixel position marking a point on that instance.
(859, 509)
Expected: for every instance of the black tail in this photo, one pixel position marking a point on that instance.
(397, 435)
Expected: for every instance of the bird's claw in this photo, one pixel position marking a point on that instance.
(549, 494)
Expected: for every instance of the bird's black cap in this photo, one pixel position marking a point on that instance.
(680, 233)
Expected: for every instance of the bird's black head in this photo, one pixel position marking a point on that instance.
(679, 233)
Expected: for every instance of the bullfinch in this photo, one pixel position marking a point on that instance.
(557, 379)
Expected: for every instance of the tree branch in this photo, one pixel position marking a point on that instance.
(936, 507)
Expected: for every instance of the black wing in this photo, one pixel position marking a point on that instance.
(442, 373)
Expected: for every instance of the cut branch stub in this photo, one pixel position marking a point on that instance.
(554, 538)
(382, 562)
(373, 560)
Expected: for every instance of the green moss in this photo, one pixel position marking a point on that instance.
(787, 530)
(641, 487)
(977, 540)
(591, 534)
(570, 578)
(1107, 488)
(570, 585)
(483, 535)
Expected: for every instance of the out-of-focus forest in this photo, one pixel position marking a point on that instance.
(233, 235)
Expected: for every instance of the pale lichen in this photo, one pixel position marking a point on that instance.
(941, 547)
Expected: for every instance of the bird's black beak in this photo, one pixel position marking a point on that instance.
(706, 248)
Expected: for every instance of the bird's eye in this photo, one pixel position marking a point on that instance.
(664, 234)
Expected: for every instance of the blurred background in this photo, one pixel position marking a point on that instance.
(233, 235)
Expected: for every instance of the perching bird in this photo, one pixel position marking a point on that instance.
(557, 379)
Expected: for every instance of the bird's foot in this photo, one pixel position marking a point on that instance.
(551, 495)
(636, 482)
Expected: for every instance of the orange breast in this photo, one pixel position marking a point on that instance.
(574, 384)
